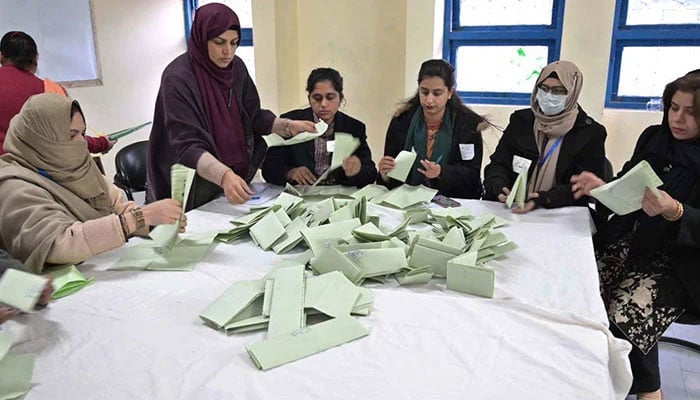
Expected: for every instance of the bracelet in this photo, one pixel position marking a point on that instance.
(287, 132)
(125, 226)
(137, 212)
(679, 213)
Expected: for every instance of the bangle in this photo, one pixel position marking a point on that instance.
(137, 212)
(679, 213)
(125, 226)
(287, 131)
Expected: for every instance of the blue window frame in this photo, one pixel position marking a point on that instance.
(506, 37)
(640, 40)
(192, 5)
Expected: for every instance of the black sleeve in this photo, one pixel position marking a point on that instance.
(462, 178)
(392, 147)
(590, 158)
(7, 262)
(689, 233)
(368, 171)
(499, 173)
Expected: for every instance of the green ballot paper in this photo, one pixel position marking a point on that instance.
(624, 195)
(275, 140)
(125, 132)
(67, 280)
(21, 289)
(518, 193)
(404, 162)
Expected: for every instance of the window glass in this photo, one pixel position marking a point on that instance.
(644, 71)
(655, 12)
(505, 12)
(510, 69)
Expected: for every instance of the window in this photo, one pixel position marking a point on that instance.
(654, 42)
(498, 47)
(244, 10)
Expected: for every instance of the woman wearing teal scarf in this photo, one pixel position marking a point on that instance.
(444, 133)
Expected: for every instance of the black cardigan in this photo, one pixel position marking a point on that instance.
(684, 248)
(458, 178)
(279, 160)
(582, 149)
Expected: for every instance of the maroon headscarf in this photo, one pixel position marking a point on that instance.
(216, 85)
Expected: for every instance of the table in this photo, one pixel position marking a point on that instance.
(137, 335)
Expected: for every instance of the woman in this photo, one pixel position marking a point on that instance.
(648, 259)
(304, 162)
(443, 132)
(18, 64)
(56, 207)
(7, 262)
(208, 115)
(552, 140)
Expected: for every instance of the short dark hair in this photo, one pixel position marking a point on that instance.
(689, 83)
(325, 74)
(20, 49)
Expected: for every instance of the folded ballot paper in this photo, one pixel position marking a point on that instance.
(404, 162)
(275, 140)
(20, 289)
(67, 280)
(16, 370)
(345, 145)
(518, 193)
(624, 195)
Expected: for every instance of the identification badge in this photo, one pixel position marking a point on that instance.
(330, 146)
(467, 151)
(521, 164)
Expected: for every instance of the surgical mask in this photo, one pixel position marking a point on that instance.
(551, 104)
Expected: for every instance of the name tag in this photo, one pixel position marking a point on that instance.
(521, 164)
(330, 146)
(467, 151)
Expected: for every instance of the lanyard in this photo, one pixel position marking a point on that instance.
(551, 150)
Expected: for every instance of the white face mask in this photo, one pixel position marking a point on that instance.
(551, 104)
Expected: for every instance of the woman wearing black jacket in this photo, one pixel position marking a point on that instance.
(443, 132)
(647, 260)
(552, 140)
(304, 162)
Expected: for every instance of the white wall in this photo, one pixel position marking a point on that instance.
(377, 46)
(136, 40)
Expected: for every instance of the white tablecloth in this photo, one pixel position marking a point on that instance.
(137, 335)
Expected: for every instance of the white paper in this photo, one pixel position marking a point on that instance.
(521, 164)
(330, 146)
(467, 151)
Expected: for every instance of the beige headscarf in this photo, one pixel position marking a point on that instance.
(547, 128)
(38, 139)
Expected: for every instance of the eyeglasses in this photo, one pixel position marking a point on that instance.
(558, 90)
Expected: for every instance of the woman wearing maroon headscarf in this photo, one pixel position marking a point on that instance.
(208, 115)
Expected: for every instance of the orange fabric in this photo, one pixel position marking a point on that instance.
(432, 131)
(53, 87)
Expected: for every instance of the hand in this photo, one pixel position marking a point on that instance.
(296, 127)
(664, 205)
(109, 147)
(504, 194)
(430, 169)
(302, 176)
(235, 188)
(351, 166)
(7, 313)
(584, 182)
(162, 212)
(529, 205)
(47, 292)
(386, 165)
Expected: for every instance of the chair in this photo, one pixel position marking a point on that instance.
(130, 163)
(688, 318)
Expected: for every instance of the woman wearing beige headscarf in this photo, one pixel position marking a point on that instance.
(56, 207)
(552, 140)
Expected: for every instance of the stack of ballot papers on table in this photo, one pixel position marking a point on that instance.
(405, 196)
(281, 303)
(16, 370)
(624, 195)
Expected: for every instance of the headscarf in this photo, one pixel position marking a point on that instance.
(548, 129)
(39, 139)
(216, 85)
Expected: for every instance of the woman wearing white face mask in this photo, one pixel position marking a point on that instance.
(552, 140)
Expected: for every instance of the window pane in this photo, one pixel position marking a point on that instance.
(505, 12)
(512, 69)
(644, 71)
(242, 8)
(248, 56)
(663, 12)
